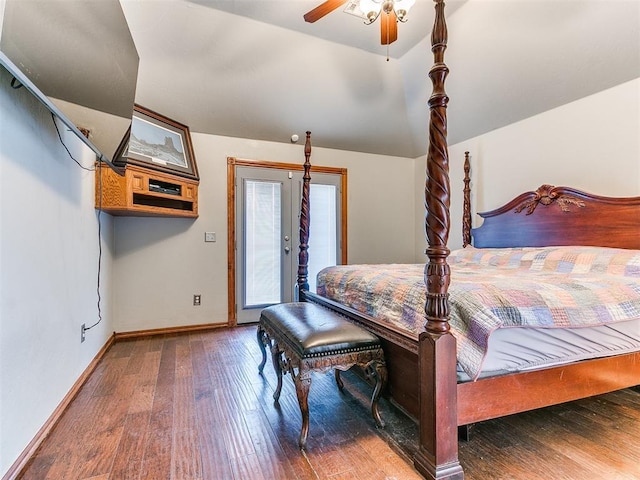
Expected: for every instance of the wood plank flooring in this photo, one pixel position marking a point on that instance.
(193, 407)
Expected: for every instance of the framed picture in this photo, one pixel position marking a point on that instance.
(157, 142)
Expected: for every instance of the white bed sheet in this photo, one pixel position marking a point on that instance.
(520, 349)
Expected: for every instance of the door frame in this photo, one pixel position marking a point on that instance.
(232, 162)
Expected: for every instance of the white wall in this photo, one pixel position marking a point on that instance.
(48, 268)
(161, 262)
(592, 144)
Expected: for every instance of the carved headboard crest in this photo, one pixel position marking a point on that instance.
(546, 195)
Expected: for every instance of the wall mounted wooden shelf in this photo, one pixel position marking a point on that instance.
(145, 192)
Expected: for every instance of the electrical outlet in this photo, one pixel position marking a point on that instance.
(196, 300)
(209, 236)
(83, 330)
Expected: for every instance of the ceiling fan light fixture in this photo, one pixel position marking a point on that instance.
(371, 9)
(402, 8)
(372, 16)
(394, 11)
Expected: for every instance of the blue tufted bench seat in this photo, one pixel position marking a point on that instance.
(305, 337)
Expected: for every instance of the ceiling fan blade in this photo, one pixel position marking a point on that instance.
(322, 9)
(388, 27)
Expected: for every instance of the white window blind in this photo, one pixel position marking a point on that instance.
(263, 237)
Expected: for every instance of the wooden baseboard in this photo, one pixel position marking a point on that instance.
(168, 331)
(16, 469)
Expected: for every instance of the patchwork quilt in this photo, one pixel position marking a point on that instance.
(551, 287)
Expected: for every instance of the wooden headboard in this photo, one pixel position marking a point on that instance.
(561, 216)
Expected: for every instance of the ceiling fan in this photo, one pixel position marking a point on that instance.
(390, 12)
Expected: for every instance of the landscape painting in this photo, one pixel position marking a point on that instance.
(160, 143)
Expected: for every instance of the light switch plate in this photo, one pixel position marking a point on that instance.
(209, 236)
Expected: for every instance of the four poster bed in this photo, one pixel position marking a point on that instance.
(548, 259)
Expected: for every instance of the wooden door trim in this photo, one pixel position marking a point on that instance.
(232, 162)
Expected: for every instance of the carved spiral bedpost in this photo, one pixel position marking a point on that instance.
(437, 186)
(437, 455)
(305, 219)
(466, 206)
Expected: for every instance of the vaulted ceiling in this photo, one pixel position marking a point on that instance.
(255, 69)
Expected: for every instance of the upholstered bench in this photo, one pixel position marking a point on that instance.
(305, 337)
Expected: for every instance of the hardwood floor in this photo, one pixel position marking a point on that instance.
(193, 407)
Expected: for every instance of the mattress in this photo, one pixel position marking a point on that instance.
(511, 309)
(520, 349)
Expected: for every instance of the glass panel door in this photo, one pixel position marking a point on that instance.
(267, 234)
(263, 240)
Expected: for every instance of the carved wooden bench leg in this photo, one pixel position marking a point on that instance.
(263, 341)
(303, 384)
(377, 370)
(276, 356)
(338, 379)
